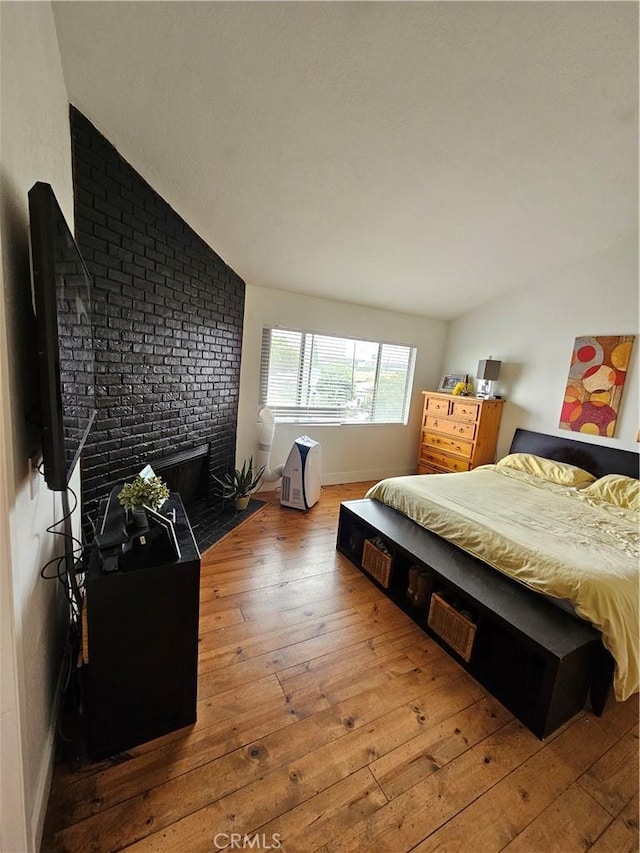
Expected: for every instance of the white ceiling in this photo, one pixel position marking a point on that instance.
(421, 157)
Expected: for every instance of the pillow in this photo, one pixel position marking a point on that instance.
(547, 469)
(616, 489)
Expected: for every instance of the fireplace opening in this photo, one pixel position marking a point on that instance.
(210, 517)
(186, 472)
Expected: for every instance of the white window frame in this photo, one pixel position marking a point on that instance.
(301, 380)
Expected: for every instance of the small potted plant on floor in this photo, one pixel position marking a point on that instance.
(237, 486)
(142, 492)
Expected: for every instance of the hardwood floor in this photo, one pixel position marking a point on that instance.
(327, 720)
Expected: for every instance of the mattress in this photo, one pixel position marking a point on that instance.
(552, 538)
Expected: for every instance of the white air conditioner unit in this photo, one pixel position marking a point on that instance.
(300, 487)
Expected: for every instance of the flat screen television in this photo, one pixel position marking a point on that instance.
(62, 289)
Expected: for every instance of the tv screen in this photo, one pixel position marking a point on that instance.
(62, 301)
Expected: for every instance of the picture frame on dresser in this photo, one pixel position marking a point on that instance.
(449, 382)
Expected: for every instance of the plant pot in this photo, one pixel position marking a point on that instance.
(241, 503)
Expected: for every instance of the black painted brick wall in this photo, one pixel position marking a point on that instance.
(168, 318)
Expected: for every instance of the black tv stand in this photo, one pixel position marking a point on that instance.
(140, 637)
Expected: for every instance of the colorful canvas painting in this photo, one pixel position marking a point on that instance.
(594, 387)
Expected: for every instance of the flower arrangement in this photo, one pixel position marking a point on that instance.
(462, 389)
(151, 492)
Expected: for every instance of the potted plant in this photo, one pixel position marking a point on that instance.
(238, 485)
(141, 492)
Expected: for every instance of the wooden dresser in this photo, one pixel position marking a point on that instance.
(458, 433)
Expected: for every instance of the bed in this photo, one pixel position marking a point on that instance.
(557, 517)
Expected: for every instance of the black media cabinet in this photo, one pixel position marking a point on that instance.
(536, 659)
(141, 642)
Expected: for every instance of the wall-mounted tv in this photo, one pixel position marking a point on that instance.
(62, 301)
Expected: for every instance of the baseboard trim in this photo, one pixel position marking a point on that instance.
(45, 774)
(43, 789)
(339, 477)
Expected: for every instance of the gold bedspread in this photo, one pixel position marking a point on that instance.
(551, 538)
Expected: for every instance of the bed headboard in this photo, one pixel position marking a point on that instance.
(595, 458)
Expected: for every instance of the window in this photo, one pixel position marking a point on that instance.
(311, 378)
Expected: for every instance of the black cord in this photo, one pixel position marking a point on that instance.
(62, 572)
(64, 518)
(65, 569)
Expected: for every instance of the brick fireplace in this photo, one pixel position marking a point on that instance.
(168, 316)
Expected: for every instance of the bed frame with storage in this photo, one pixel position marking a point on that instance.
(540, 661)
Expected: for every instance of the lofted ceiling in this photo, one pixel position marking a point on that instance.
(423, 157)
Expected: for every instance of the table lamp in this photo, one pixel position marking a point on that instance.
(488, 372)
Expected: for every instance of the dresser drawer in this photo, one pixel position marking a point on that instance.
(449, 445)
(442, 460)
(465, 409)
(429, 469)
(437, 405)
(461, 429)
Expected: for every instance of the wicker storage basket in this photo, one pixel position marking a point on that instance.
(454, 628)
(376, 563)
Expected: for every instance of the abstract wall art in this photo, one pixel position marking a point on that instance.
(596, 379)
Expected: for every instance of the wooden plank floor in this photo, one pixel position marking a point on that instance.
(327, 720)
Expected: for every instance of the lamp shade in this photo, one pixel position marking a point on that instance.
(488, 369)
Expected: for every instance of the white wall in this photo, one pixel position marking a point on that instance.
(353, 452)
(532, 331)
(36, 146)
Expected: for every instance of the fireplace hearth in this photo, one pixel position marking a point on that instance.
(211, 521)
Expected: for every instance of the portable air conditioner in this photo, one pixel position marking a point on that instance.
(300, 487)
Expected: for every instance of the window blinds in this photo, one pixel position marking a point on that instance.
(310, 378)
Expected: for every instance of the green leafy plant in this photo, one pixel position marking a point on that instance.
(241, 482)
(143, 492)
